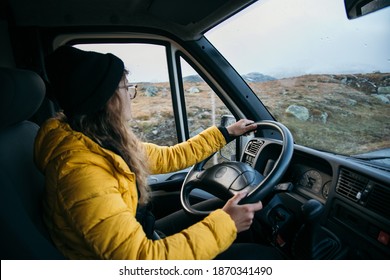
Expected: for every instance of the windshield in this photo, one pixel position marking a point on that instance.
(325, 77)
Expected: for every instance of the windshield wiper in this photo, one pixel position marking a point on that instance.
(375, 155)
(369, 157)
(377, 158)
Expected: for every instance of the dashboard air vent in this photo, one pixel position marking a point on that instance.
(379, 200)
(253, 147)
(364, 191)
(350, 184)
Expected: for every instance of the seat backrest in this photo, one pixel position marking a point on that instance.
(22, 234)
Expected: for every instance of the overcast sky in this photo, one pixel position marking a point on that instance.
(284, 38)
(304, 36)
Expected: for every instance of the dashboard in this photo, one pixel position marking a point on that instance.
(355, 196)
(311, 177)
(312, 180)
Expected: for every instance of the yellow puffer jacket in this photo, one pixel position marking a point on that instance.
(91, 198)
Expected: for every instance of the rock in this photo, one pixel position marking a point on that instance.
(381, 98)
(193, 90)
(384, 90)
(164, 92)
(324, 117)
(317, 115)
(351, 102)
(300, 112)
(151, 91)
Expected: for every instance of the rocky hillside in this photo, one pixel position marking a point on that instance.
(337, 107)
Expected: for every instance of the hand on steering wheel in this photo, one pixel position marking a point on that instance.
(242, 215)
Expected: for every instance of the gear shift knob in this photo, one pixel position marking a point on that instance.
(312, 241)
(312, 210)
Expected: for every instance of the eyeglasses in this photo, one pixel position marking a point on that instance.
(131, 89)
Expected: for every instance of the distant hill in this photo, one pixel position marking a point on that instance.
(253, 77)
(192, 79)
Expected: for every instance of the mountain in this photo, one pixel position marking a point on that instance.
(257, 77)
(250, 77)
(192, 79)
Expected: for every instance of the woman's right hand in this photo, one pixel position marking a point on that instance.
(242, 215)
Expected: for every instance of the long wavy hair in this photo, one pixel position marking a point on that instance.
(108, 128)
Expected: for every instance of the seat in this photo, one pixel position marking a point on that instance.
(23, 234)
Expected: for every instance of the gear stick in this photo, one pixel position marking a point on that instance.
(312, 241)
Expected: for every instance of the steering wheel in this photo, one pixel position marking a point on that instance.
(225, 179)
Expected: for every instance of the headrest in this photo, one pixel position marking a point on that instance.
(21, 94)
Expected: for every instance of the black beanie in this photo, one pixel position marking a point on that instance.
(82, 81)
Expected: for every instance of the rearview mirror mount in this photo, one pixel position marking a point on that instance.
(359, 8)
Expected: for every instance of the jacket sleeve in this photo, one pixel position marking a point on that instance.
(102, 215)
(163, 159)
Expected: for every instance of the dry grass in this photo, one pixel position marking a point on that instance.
(356, 121)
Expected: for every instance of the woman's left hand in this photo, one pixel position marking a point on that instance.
(241, 127)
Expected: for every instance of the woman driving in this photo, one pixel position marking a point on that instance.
(96, 172)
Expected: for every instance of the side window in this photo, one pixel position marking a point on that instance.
(204, 107)
(153, 118)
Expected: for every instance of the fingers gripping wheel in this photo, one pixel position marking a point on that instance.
(225, 179)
